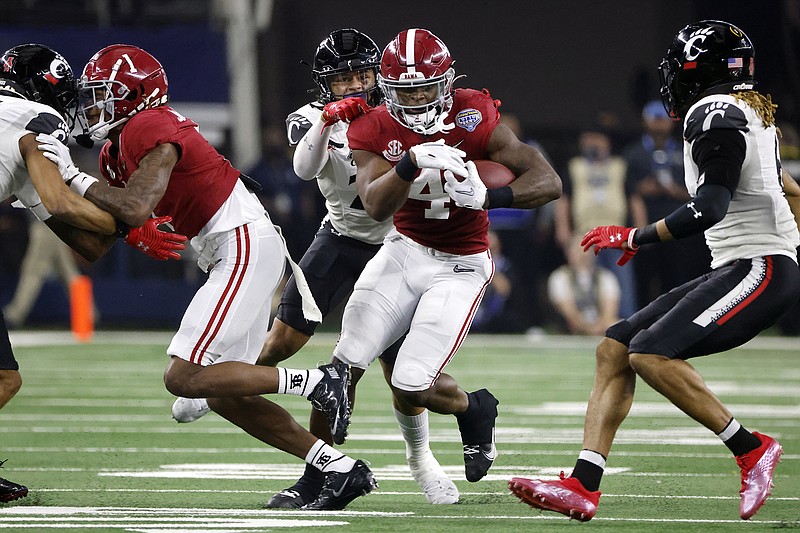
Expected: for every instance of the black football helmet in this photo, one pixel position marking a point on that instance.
(346, 50)
(707, 57)
(38, 73)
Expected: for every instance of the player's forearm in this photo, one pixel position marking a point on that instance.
(537, 186)
(311, 153)
(90, 245)
(120, 203)
(75, 211)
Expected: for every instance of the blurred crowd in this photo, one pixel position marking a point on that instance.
(544, 282)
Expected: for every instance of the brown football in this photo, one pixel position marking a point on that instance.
(494, 175)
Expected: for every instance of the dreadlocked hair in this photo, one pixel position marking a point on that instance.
(761, 104)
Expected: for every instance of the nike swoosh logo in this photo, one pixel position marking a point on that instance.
(339, 492)
(466, 192)
(492, 455)
(458, 268)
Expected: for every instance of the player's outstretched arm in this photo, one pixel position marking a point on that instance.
(56, 197)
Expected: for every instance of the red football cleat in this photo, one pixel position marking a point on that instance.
(565, 495)
(757, 468)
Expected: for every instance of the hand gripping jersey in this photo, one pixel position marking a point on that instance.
(19, 117)
(201, 181)
(759, 221)
(337, 179)
(429, 217)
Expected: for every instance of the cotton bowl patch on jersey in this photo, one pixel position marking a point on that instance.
(493, 174)
(468, 119)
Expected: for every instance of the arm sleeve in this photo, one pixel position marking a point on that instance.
(719, 155)
(701, 212)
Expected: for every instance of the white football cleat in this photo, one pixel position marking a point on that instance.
(439, 489)
(186, 410)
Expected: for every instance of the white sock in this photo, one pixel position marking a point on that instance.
(593, 457)
(730, 430)
(298, 382)
(415, 432)
(327, 459)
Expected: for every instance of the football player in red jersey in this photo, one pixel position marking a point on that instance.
(433, 269)
(156, 161)
(38, 97)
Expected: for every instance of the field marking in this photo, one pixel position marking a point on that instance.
(412, 493)
(167, 520)
(328, 340)
(350, 451)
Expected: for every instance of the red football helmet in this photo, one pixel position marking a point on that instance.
(417, 81)
(120, 80)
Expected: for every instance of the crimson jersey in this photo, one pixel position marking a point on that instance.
(200, 182)
(429, 216)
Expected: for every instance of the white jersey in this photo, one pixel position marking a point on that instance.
(337, 179)
(759, 221)
(19, 117)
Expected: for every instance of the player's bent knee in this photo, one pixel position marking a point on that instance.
(410, 378)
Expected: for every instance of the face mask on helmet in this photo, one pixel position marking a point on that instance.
(39, 74)
(417, 81)
(422, 106)
(707, 57)
(118, 82)
(347, 54)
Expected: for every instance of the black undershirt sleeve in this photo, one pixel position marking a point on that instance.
(719, 155)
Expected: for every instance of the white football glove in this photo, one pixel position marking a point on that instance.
(439, 156)
(470, 193)
(58, 153)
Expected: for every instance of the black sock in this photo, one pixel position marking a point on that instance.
(464, 419)
(589, 474)
(312, 479)
(742, 442)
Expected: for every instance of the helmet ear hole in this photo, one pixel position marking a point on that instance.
(133, 94)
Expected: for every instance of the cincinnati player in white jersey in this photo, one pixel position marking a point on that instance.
(38, 98)
(156, 161)
(734, 177)
(430, 274)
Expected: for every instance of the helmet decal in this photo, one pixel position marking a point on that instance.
(706, 57)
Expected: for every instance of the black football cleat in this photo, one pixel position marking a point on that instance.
(342, 488)
(10, 491)
(304, 491)
(330, 397)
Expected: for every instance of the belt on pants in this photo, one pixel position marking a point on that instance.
(433, 252)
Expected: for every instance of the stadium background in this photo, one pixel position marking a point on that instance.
(557, 64)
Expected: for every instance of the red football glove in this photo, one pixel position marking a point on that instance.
(346, 109)
(158, 244)
(619, 237)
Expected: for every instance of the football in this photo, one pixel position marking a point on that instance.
(494, 175)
